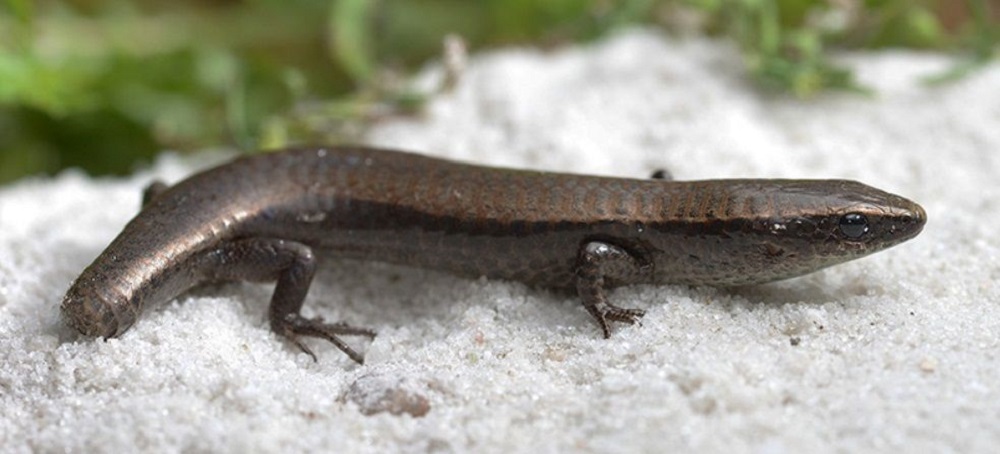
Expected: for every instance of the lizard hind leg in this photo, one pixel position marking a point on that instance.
(293, 265)
(152, 191)
(295, 326)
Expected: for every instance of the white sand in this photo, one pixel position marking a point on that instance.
(895, 351)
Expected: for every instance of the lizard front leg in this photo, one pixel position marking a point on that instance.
(598, 266)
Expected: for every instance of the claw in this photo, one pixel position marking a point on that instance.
(296, 326)
(618, 314)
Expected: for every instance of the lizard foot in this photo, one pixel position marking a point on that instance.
(294, 327)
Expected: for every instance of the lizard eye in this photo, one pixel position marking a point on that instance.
(853, 225)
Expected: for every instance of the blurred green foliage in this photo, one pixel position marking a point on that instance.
(100, 84)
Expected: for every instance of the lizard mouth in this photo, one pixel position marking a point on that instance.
(903, 224)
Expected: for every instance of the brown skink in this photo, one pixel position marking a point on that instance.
(267, 217)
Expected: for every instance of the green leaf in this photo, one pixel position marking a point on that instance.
(349, 38)
(22, 9)
(53, 88)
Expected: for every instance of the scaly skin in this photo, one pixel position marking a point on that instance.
(263, 217)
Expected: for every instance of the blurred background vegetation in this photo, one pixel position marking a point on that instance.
(102, 84)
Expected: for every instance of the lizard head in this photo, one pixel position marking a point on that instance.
(769, 230)
(823, 223)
